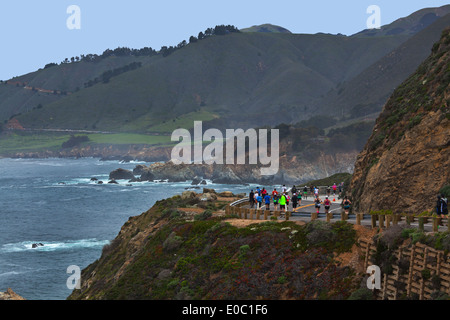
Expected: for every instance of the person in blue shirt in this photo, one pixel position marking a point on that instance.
(259, 200)
(267, 201)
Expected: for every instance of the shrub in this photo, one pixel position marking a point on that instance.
(445, 191)
(203, 216)
(361, 294)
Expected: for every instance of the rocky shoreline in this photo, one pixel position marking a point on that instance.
(291, 172)
(10, 295)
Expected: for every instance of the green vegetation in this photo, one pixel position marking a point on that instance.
(12, 143)
(237, 74)
(262, 260)
(445, 190)
(329, 181)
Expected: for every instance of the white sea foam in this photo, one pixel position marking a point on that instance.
(52, 245)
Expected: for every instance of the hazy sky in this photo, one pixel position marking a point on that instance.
(35, 32)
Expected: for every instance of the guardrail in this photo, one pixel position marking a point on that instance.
(382, 221)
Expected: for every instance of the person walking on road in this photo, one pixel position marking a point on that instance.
(251, 199)
(282, 203)
(294, 201)
(346, 203)
(276, 198)
(259, 200)
(327, 204)
(305, 192)
(267, 201)
(442, 207)
(317, 203)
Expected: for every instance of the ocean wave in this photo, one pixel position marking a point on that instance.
(53, 245)
(9, 273)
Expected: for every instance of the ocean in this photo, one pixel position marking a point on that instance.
(54, 202)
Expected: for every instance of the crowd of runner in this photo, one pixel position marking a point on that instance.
(285, 199)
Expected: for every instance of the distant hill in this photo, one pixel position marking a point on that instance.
(278, 75)
(238, 79)
(266, 28)
(409, 25)
(368, 92)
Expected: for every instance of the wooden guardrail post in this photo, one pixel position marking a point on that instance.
(266, 214)
(421, 224)
(381, 220)
(256, 212)
(288, 215)
(358, 219)
(388, 221)
(329, 216)
(396, 219)
(313, 216)
(374, 221)
(250, 214)
(436, 222)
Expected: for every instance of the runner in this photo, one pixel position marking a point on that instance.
(282, 203)
(305, 192)
(293, 190)
(263, 192)
(317, 203)
(327, 204)
(251, 199)
(275, 201)
(346, 203)
(267, 201)
(294, 201)
(334, 189)
(259, 200)
(316, 191)
(299, 198)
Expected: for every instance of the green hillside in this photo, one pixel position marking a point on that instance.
(242, 73)
(366, 93)
(267, 27)
(409, 25)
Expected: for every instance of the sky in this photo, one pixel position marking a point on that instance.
(36, 32)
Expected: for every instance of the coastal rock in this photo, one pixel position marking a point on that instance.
(139, 169)
(10, 295)
(188, 195)
(226, 176)
(121, 174)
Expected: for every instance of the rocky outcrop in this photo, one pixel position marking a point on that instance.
(407, 159)
(121, 174)
(292, 171)
(10, 295)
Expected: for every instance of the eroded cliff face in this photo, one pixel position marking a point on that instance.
(291, 170)
(406, 161)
